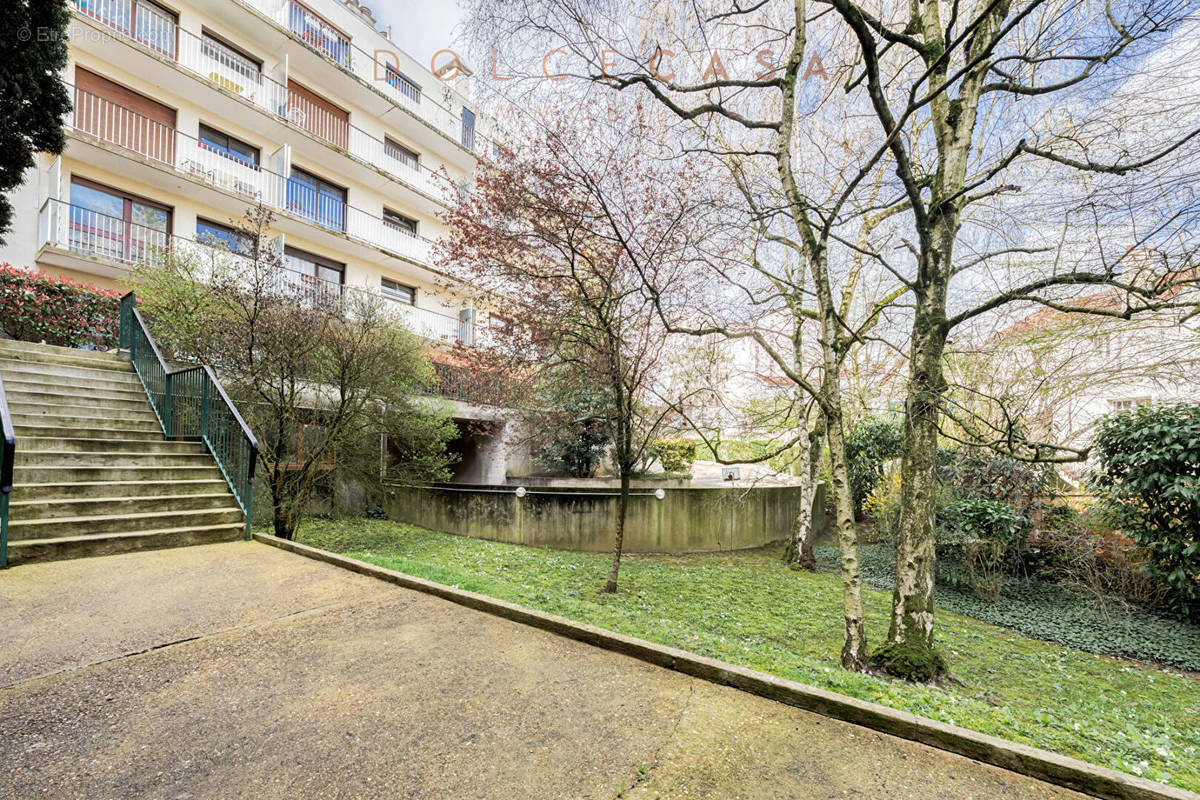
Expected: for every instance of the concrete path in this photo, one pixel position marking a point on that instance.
(241, 671)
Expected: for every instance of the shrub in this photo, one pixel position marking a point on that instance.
(1148, 483)
(870, 443)
(675, 455)
(40, 308)
(977, 541)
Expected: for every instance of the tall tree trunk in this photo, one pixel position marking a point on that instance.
(619, 541)
(800, 543)
(912, 598)
(854, 644)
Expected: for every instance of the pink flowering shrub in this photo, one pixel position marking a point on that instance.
(41, 308)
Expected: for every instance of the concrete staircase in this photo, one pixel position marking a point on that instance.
(94, 474)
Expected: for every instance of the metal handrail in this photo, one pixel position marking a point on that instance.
(8, 451)
(191, 404)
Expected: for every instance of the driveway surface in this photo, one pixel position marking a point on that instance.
(242, 671)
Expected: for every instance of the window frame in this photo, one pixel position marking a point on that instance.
(228, 151)
(387, 291)
(399, 222)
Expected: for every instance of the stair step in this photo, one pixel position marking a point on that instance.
(64, 356)
(81, 410)
(86, 444)
(110, 458)
(33, 550)
(69, 421)
(35, 402)
(25, 475)
(118, 506)
(26, 433)
(54, 389)
(38, 492)
(59, 527)
(33, 370)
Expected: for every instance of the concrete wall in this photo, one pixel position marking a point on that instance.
(689, 520)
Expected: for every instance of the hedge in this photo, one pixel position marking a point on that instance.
(40, 308)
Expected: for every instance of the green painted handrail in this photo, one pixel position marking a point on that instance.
(191, 404)
(8, 452)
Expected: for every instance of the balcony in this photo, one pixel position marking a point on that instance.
(99, 237)
(222, 67)
(168, 147)
(163, 36)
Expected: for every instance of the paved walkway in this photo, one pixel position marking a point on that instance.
(241, 671)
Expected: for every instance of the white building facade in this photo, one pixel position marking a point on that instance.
(189, 112)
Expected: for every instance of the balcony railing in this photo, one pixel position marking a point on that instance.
(115, 124)
(221, 66)
(94, 235)
(163, 36)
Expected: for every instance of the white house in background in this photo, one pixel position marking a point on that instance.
(1065, 371)
(187, 112)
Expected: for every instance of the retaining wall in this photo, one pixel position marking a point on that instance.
(691, 520)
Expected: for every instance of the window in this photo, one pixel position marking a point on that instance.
(150, 24)
(1129, 404)
(409, 158)
(230, 68)
(398, 292)
(215, 234)
(468, 128)
(399, 222)
(397, 80)
(109, 223)
(316, 199)
(312, 269)
(314, 30)
(226, 145)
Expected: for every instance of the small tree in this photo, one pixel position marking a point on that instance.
(533, 233)
(319, 374)
(1149, 483)
(33, 97)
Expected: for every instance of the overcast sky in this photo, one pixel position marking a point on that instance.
(420, 29)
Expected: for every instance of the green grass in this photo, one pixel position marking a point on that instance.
(748, 609)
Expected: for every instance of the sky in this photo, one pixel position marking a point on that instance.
(420, 29)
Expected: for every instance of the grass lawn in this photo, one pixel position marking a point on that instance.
(748, 609)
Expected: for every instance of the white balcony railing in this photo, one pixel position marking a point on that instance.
(218, 64)
(160, 33)
(93, 235)
(114, 124)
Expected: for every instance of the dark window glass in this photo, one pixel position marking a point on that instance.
(397, 79)
(228, 146)
(317, 199)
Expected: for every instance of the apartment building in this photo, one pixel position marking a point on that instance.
(187, 112)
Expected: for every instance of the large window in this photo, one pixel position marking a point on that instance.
(228, 146)
(109, 223)
(151, 24)
(316, 199)
(398, 292)
(215, 234)
(313, 276)
(314, 30)
(230, 68)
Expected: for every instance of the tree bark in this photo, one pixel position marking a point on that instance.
(912, 597)
(800, 543)
(619, 541)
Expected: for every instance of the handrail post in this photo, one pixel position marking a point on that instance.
(204, 407)
(168, 423)
(4, 529)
